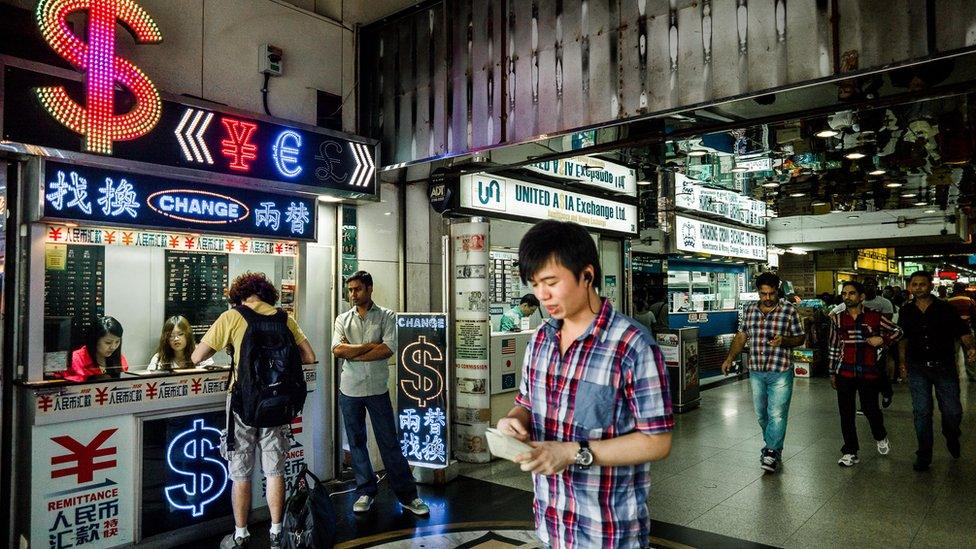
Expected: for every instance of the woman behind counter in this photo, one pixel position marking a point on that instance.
(101, 354)
(176, 342)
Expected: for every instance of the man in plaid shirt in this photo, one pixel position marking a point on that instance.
(772, 327)
(856, 334)
(593, 402)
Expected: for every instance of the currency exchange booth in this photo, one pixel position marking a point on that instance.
(154, 226)
(482, 280)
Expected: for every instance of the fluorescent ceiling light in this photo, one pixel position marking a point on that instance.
(921, 203)
(852, 216)
(739, 169)
(878, 171)
(909, 195)
(930, 211)
(893, 185)
(770, 184)
(797, 251)
(854, 155)
(697, 152)
(329, 198)
(818, 203)
(643, 183)
(827, 133)
(797, 195)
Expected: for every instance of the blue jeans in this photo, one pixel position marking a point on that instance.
(946, 383)
(771, 395)
(384, 427)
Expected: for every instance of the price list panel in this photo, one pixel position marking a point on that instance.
(195, 284)
(74, 291)
(505, 284)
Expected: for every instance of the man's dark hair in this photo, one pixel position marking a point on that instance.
(958, 288)
(870, 280)
(249, 284)
(529, 299)
(362, 276)
(924, 274)
(858, 287)
(767, 279)
(567, 243)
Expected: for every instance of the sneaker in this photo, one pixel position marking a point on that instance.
(362, 504)
(920, 465)
(230, 542)
(884, 446)
(953, 446)
(769, 463)
(848, 460)
(275, 540)
(417, 507)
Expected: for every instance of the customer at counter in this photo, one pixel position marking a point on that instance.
(176, 342)
(512, 320)
(101, 355)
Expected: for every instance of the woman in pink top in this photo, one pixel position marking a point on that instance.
(101, 354)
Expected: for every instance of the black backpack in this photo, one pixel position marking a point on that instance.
(270, 386)
(310, 518)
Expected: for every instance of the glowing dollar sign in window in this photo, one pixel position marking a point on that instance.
(97, 120)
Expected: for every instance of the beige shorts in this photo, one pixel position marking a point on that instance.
(273, 441)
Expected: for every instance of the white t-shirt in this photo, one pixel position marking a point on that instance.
(154, 363)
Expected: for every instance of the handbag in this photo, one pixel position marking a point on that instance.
(310, 517)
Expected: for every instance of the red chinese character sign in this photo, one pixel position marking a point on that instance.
(82, 483)
(97, 120)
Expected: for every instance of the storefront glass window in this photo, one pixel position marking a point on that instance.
(159, 299)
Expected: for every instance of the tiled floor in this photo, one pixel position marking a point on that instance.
(712, 480)
(710, 492)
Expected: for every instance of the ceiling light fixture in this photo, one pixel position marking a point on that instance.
(930, 211)
(853, 216)
(770, 184)
(854, 155)
(739, 169)
(893, 185)
(922, 203)
(879, 171)
(697, 152)
(797, 195)
(818, 203)
(824, 134)
(909, 195)
(643, 183)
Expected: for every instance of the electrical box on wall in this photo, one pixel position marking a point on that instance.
(269, 61)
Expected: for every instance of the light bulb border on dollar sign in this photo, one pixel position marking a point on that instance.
(97, 121)
(420, 397)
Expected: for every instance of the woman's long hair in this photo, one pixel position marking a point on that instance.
(165, 355)
(101, 327)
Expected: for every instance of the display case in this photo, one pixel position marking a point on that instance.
(701, 291)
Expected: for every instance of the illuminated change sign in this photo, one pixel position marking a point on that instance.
(189, 136)
(422, 388)
(82, 193)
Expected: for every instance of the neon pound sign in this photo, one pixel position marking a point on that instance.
(97, 120)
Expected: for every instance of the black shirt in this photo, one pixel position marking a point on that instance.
(931, 335)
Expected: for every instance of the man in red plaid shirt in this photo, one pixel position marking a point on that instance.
(593, 401)
(856, 335)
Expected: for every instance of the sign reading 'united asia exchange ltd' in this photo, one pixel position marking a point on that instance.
(530, 201)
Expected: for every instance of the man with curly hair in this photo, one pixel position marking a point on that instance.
(255, 291)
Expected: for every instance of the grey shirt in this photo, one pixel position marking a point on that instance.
(361, 379)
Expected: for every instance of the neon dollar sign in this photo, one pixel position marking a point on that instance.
(97, 120)
(419, 360)
(193, 455)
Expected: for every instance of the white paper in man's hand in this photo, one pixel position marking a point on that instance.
(504, 446)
